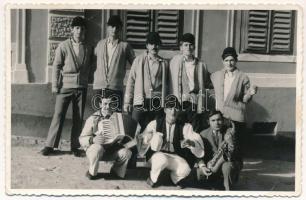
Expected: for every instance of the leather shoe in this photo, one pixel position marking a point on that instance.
(181, 184)
(47, 151)
(151, 183)
(91, 177)
(76, 152)
(113, 175)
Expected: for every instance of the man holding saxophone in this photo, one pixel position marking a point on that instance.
(222, 155)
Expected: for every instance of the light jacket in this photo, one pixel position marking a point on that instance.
(176, 70)
(112, 76)
(234, 106)
(138, 85)
(67, 71)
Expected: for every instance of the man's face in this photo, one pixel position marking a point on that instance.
(229, 63)
(78, 32)
(105, 106)
(187, 48)
(216, 122)
(113, 31)
(152, 49)
(171, 115)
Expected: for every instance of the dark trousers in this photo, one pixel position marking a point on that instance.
(63, 99)
(225, 177)
(115, 95)
(146, 113)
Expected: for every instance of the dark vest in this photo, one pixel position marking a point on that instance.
(178, 136)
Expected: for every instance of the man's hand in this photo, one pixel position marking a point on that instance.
(98, 139)
(55, 90)
(187, 143)
(127, 108)
(207, 172)
(253, 90)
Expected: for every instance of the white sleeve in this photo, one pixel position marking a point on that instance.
(198, 149)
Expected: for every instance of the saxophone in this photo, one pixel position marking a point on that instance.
(215, 163)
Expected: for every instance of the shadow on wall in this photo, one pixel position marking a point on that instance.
(256, 113)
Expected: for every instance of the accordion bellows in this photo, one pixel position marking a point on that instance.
(111, 128)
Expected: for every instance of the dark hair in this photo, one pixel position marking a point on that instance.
(187, 37)
(114, 20)
(78, 21)
(214, 112)
(153, 38)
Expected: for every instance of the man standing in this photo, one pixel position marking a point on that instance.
(103, 137)
(232, 91)
(112, 56)
(222, 157)
(145, 88)
(71, 69)
(171, 145)
(188, 77)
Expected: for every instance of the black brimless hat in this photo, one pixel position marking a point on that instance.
(153, 38)
(78, 21)
(229, 51)
(114, 21)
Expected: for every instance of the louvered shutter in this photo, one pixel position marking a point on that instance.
(137, 26)
(281, 31)
(257, 31)
(167, 25)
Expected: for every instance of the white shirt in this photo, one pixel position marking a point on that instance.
(78, 50)
(169, 138)
(111, 46)
(188, 133)
(190, 66)
(228, 80)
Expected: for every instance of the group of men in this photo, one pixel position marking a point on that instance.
(163, 98)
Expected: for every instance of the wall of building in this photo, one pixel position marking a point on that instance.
(36, 100)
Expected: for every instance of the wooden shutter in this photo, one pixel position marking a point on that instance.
(257, 31)
(281, 31)
(137, 26)
(167, 25)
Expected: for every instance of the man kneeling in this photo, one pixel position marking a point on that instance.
(222, 155)
(103, 137)
(171, 145)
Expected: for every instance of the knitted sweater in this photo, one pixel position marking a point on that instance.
(112, 76)
(177, 85)
(234, 106)
(67, 71)
(138, 85)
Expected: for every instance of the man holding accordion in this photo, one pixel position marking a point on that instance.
(222, 154)
(103, 137)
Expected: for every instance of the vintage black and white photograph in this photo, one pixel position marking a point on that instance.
(154, 100)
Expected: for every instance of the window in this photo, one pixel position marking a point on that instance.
(138, 23)
(267, 32)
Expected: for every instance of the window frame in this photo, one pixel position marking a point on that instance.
(236, 23)
(153, 27)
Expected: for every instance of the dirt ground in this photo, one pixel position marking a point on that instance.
(268, 166)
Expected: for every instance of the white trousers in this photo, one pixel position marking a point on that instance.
(177, 165)
(121, 157)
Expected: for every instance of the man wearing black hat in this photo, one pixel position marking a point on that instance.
(71, 68)
(112, 56)
(145, 89)
(188, 77)
(232, 90)
(171, 145)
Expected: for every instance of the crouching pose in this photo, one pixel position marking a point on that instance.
(103, 137)
(171, 145)
(222, 155)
